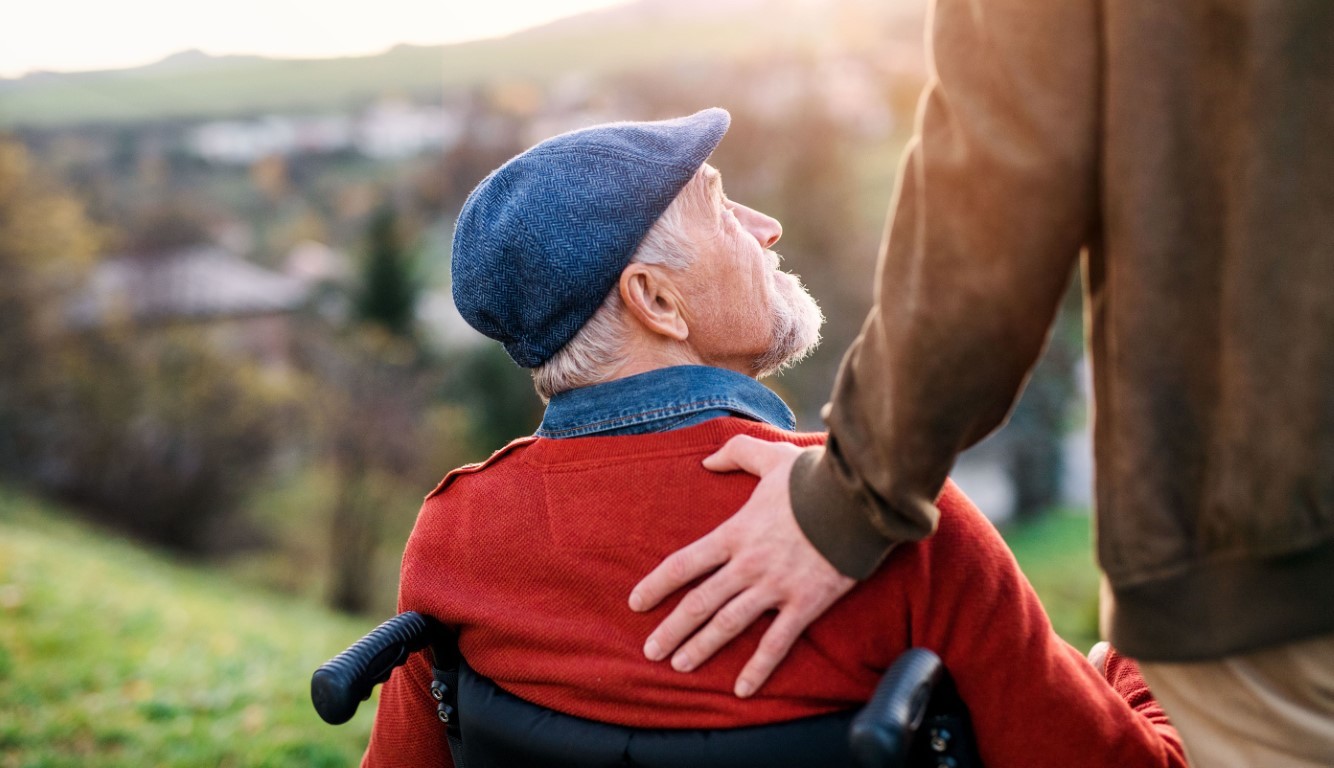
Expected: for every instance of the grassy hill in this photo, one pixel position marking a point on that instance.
(200, 86)
(111, 656)
(645, 34)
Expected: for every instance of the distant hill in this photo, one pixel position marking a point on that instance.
(647, 33)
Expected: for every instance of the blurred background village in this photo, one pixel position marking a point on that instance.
(230, 365)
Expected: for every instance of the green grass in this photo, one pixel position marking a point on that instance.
(113, 656)
(1056, 554)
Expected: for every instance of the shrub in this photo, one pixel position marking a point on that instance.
(160, 435)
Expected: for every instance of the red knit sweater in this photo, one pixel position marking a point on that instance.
(532, 555)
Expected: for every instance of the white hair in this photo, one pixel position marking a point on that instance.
(595, 351)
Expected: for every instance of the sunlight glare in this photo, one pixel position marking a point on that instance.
(71, 35)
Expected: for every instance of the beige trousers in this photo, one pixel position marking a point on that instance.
(1269, 709)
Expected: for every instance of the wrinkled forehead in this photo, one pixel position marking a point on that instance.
(701, 199)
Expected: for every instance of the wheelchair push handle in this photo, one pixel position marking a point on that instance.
(882, 733)
(340, 685)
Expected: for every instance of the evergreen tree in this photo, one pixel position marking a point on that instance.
(374, 380)
(389, 291)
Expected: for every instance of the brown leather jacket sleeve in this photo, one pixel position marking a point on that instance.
(996, 196)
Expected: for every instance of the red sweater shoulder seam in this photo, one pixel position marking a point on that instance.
(468, 469)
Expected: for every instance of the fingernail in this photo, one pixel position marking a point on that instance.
(652, 650)
(744, 688)
(636, 602)
(681, 663)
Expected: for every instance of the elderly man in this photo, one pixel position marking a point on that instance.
(610, 261)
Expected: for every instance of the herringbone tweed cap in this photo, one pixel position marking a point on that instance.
(542, 240)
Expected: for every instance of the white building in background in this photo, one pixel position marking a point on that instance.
(242, 142)
(397, 129)
(322, 134)
(386, 131)
(243, 307)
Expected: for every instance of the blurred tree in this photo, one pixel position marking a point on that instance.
(46, 245)
(160, 433)
(372, 398)
(156, 433)
(389, 291)
(165, 228)
(497, 395)
(816, 191)
(375, 395)
(1033, 440)
(269, 177)
(489, 139)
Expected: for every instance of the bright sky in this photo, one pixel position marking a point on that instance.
(68, 35)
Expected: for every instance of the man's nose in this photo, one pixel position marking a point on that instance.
(765, 229)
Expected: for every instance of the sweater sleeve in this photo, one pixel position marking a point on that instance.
(407, 732)
(996, 196)
(1034, 700)
(1125, 678)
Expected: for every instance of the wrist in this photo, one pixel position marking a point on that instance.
(836, 524)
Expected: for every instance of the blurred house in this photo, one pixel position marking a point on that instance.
(393, 129)
(239, 142)
(315, 263)
(387, 130)
(243, 307)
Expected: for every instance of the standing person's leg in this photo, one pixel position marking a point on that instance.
(1272, 708)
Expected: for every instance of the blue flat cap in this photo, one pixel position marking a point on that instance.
(542, 240)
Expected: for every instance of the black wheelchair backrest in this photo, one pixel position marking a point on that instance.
(500, 730)
(915, 718)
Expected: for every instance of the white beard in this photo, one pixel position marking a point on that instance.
(796, 320)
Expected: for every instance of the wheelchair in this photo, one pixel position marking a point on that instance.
(915, 719)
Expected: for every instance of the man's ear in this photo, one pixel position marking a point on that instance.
(654, 301)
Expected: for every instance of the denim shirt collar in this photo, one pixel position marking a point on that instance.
(662, 400)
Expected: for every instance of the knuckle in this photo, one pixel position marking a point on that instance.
(704, 643)
(678, 567)
(754, 559)
(669, 633)
(729, 449)
(801, 602)
(667, 636)
(697, 604)
(732, 619)
(748, 567)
